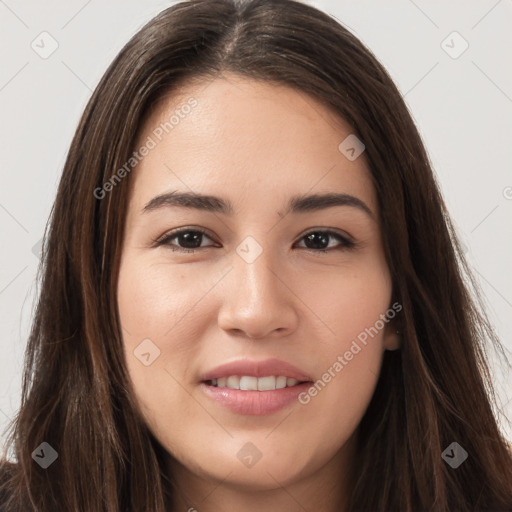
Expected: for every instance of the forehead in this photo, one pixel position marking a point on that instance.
(237, 137)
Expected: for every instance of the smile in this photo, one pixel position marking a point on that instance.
(250, 383)
(255, 387)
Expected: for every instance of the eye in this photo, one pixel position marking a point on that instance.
(189, 240)
(316, 238)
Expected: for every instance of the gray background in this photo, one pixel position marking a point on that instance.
(461, 105)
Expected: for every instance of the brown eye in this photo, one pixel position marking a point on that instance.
(188, 240)
(319, 241)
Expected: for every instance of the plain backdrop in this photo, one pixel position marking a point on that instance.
(451, 61)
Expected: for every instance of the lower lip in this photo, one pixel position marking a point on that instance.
(255, 402)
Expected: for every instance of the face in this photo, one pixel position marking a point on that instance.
(269, 286)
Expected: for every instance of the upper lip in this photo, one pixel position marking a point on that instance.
(254, 368)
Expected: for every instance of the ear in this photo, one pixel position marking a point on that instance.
(392, 336)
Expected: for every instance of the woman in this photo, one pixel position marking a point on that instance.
(252, 292)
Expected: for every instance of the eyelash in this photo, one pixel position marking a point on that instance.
(346, 244)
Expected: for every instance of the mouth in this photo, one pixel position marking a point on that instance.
(254, 387)
(252, 383)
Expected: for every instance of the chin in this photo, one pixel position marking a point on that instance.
(263, 476)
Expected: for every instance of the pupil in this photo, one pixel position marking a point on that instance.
(190, 241)
(324, 237)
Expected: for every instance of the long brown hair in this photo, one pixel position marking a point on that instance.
(76, 393)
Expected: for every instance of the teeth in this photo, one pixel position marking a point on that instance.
(249, 383)
(266, 383)
(280, 382)
(233, 382)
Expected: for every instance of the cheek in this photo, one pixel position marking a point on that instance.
(159, 325)
(161, 302)
(347, 303)
(352, 308)
(146, 301)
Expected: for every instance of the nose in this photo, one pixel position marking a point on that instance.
(258, 301)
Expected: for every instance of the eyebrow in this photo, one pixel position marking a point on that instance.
(296, 204)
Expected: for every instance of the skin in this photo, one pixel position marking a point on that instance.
(256, 145)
